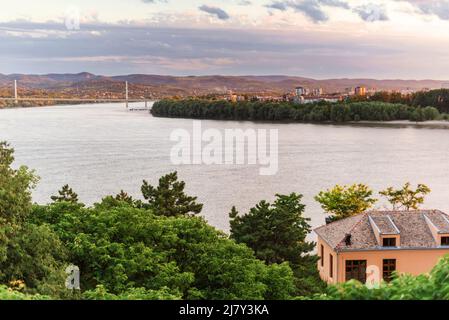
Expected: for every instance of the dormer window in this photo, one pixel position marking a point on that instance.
(445, 241)
(389, 242)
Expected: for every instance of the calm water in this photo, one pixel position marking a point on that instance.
(101, 149)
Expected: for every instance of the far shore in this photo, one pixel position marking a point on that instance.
(431, 124)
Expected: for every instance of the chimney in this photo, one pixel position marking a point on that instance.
(330, 219)
(348, 239)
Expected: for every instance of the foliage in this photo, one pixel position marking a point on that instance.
(427, 105)
(122, 248)
(35, 256)
(15, 188)
(345, 201)
(403, 287)
(288, 111)
(10, 294)
(168, 198)
(406, 198)
(435, 98)
(29, 254)
(66, 194)
(100, 293)
(277, 233)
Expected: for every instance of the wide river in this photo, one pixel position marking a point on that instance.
(101, 149)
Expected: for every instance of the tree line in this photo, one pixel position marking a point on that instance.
(438, 99)
(291, 112)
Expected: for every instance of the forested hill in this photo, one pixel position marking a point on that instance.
(163, 85)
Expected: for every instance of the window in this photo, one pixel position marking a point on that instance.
(445, 241)
(356, 269)
(389, 242)
(322, 255)
(389, 265)
(331, 266)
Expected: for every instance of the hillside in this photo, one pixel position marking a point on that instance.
(161, 86)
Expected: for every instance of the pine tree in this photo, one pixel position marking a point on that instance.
(169, 198)
(277, 233)
(66, 194)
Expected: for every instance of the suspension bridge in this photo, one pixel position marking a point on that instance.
(126, 100)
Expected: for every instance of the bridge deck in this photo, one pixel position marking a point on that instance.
(75, 99)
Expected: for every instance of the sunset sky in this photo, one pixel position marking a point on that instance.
(312, 38)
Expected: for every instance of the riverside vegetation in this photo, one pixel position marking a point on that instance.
(158, 248)
(288, 111)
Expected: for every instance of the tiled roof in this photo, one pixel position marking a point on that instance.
(412, 226)
(385, 224)
(440, 221)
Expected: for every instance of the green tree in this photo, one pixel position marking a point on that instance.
(345, 201)
(169, 198)
(66, 194)
(101, 293)
(123, 196)
(16, 186)
(132, 252)
(406, 198)
(7, 293)
(277, 233)
(29, 254)
(35, 256)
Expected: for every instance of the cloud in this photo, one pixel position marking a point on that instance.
(311, 8)
(334, 3)
(219, 13)
(278, 6)
(440, 8)
(372, 12)
(137, 48)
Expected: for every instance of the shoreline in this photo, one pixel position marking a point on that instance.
(429, 124)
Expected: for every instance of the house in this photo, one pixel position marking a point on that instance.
(371, 245)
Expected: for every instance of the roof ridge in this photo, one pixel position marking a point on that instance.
(337, 222)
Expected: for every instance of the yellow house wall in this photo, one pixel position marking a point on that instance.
(325, 269)
(413, 262)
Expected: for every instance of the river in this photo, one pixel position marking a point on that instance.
(101, 149)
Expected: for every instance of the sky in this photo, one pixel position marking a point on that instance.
(322, 39)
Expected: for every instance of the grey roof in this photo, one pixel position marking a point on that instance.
(412, 226)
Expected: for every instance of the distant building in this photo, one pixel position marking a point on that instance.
(349, 90)
(360, 91)
(317, 92)
(300, 91)
(445, 85)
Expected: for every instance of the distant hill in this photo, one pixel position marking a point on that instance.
(171, 85)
